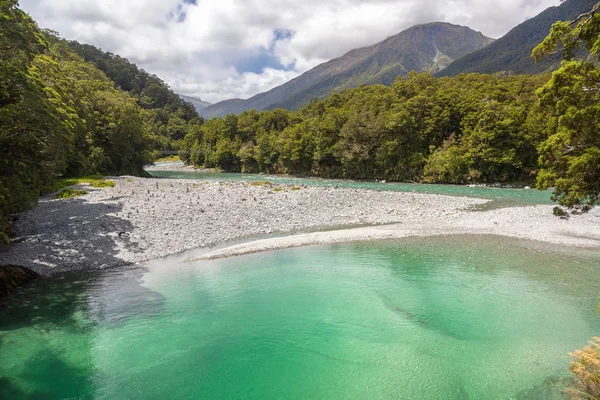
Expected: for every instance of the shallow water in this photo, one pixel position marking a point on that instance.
(502, 197)
(438, 318)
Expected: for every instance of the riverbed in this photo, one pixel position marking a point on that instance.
(144, 219)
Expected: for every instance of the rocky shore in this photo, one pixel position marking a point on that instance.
(141, 219)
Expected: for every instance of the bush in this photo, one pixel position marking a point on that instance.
(586, 369)
(70, 193)
(560, 212)
(102, 183)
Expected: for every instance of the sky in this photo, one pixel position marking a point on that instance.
(222, 49)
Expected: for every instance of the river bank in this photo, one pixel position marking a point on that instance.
(142, 219)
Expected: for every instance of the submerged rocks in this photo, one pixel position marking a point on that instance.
(13, 276)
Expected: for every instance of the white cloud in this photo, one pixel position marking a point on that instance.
(198, 55)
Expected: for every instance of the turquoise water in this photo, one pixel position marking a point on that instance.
(439, 318)
(503, 197)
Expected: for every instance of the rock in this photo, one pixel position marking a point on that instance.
(12, 276)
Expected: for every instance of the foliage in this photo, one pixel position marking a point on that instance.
(174, 158)
(65, 182)
(586, 370)
(60, 116)
(102, 183)
(169, 116)
(450, 130)
(570, 157)
(70, 193)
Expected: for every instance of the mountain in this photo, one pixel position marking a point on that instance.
(512, 52)
(428, 47)
(198, 104)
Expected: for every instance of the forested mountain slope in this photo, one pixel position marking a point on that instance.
(428, 47)
(512, 52)
(170, 113)
(472, 128)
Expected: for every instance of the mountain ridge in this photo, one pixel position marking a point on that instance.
(419, 48)
(512, 52)
(197, 102)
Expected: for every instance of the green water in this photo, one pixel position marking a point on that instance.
(439, 318)
(502, 197)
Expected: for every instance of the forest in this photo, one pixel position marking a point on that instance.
(68, 110)
(469, 129)
(62, 116)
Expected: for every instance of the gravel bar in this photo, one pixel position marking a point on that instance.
(143, 219)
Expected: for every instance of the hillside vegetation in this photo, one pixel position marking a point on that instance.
(169, 114)
(61, 116)
(474, 128)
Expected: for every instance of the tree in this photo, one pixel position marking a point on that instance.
(570, 157)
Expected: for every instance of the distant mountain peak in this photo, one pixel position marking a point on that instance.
(425, 47)
(197, 102)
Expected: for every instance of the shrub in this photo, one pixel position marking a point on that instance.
(260, 183)
(586, 369)
(102, 183)
(560, 212)
(69, 193)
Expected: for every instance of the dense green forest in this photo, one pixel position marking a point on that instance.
(473, 128)
(61, 116)
(171, 117)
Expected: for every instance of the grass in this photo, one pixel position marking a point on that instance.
(173, 158)
(102, 183)
(295, 188)
(69, 193)
(277, 189)
(97, 181)
(260, 183)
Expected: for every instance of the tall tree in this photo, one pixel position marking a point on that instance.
(570, 158)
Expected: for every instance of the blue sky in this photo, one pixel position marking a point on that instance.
(220, 49)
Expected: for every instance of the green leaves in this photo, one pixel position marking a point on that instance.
(59, 115)
(570, 156)
(473, 127)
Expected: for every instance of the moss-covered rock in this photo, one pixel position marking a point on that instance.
(12, 276)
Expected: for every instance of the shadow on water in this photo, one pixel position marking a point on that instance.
(42, 318)
(69, 382)
(75, 234)
(103, 297)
